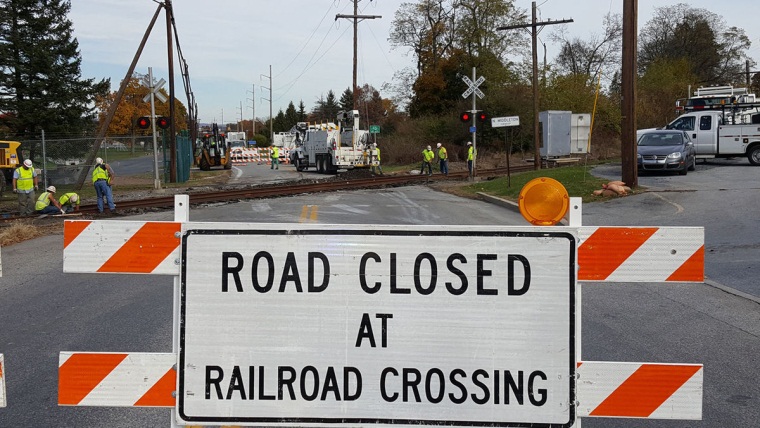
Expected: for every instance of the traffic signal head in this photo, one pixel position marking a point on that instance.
(482, 117)
(465, 116)
(143, 122)
(162, 122)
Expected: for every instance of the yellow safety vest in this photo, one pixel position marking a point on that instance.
(42, 201)
(378, 153)
(428, 155)
(442, 154)
(275, 152)
(99, 173)
(25, 180)
(470, 153)
(66, 198)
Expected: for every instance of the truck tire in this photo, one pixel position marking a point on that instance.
(754, 155)
(204, 165)
(320, 165)
(330, 168)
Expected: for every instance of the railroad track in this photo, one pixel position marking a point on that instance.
(163, 202)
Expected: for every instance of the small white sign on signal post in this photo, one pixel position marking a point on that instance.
(396, 325)
(500, 122)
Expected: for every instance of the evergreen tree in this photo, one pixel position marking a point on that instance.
(280, 123)
(347, 100)
(291, 117)
(301, 112)
(41, 86)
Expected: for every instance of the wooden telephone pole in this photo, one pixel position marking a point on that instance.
(356, 18)
(534, 26)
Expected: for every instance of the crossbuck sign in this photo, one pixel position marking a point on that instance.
(473, 87)
(366, 326)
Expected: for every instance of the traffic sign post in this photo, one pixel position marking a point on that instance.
(155, 92)
(508, 121)
(2, 381)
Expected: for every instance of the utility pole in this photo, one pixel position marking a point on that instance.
(629, 171)
(534, 26)
(356, 18)
(271, 119)
(172, 130)
(253, 106)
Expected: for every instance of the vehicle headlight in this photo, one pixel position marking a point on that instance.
(675, 155)
(638, 155)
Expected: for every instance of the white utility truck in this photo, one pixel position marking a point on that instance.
(716, 136)
(330, 147)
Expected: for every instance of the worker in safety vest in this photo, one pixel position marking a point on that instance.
(24, 184)
(443, 158)
(47, 204)
(102, 176)
(69, 202)
(275, 157)
(470, 157)
(427, 160)
(376, 159)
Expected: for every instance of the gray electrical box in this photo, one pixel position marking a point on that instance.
(563, 133)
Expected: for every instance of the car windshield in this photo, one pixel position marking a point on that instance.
(660, 139)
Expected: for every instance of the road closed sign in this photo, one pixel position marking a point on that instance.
(295, 325)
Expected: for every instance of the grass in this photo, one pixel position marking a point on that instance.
(577, 180)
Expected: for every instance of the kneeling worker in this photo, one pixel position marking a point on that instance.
(69, 202)
(47, 204)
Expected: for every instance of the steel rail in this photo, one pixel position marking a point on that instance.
(290, 188)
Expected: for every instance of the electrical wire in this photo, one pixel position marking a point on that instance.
(336, 4)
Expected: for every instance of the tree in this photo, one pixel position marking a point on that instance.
(600, 54)
(347, 100)
(291, 116)
(326, 109)
(301, 111)
(715, 54)
(41, 86)
(133, 107)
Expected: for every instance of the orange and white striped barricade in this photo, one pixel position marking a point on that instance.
(237, 157)
(640, 390)
(117, 379)
(2, 381)
(214, 381)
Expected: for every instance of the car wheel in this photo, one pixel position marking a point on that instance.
(693, 164)
(684, 170)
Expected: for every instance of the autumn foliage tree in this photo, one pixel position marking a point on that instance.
(133, 107)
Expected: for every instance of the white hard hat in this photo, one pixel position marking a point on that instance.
(469, 143)
(51, 189)
(28, 163)
(74, 197)
(438, 145)
(98, 161)
(428, 147)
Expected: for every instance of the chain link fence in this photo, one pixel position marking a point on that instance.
(62, 160)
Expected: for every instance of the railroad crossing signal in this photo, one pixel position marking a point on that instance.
(473, 87)
(143, 122)
(155, 89)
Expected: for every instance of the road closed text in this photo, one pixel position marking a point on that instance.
(425, 274)
(403, 385)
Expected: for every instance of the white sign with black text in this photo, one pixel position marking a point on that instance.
(499, 122)
(391, 325)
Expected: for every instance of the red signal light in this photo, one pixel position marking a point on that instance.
(162, 122)
(143, 123)
(482, 117)
(465, 117)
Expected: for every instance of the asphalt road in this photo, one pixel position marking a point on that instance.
(44, 312)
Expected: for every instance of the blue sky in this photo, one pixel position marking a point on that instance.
(230, 44)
